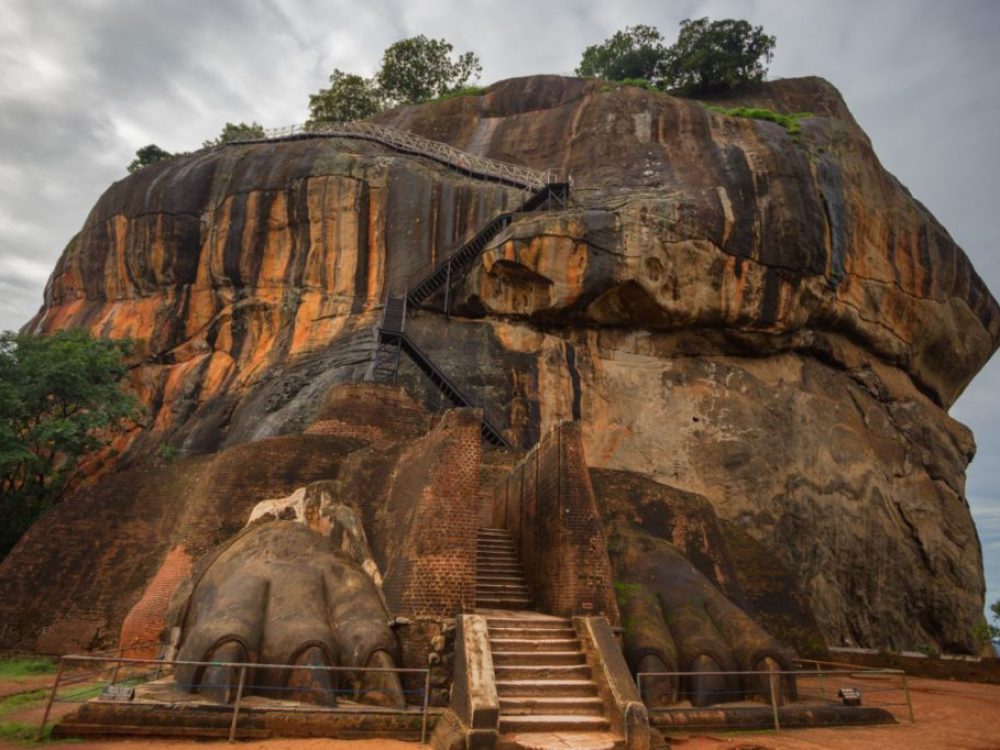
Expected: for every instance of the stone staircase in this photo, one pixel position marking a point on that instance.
(547, 694)
(500, 580)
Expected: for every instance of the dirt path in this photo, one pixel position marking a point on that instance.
(950, 715)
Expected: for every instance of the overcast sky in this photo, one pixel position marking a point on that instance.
(84, 84)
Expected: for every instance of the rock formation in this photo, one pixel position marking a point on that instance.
(761, 335)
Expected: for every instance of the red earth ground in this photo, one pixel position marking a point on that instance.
(953, 715)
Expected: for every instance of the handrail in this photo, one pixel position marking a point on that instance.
(244, 668)
(404, 140)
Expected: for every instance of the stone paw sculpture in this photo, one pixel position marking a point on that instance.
(676, 620)
(291, 589)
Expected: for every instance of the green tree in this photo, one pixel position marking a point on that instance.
(989, 633)
(717, 55)
(237, 132)
(416, 69)
(148, 155)
(635, 52)
(61, 398)
(349, 97)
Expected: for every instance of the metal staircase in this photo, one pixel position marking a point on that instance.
(467, 253)
(393, 341)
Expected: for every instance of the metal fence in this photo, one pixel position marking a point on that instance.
(403, 140)
(81, 678)
(819, 685)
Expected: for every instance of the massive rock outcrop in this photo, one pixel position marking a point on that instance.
(767, 326)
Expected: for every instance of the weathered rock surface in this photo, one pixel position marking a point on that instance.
(774, 326)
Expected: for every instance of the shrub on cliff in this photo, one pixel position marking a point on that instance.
(636, 52)
(236, 132)
(413, 70)
(147, 155)
(717, 55)
(707, 56)
(350, 97)
(61, 397)
(419, 68)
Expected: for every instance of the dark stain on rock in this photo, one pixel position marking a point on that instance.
(574, 378)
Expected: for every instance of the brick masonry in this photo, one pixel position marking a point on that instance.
(144, 623)
(547, 502)
(431, 518)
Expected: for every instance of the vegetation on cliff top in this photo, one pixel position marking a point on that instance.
(413, 70)
(707, 56)
(61, 398)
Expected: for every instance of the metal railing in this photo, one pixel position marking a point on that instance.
(403, 140)
(81, 686)
(817, 685)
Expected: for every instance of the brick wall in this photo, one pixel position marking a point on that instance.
(428, 538)
(143, 624)
(547, 503)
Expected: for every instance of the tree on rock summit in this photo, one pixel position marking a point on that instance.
(707, 56)
(418, 68)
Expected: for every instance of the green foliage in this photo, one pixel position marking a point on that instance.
(349, 97)
(61, 397)
(18, 701)
(625, 592)
(237, 132)
(988, 633)
(633, 53)
(25, 667)
(464, 91)
(416, 69)
(717, 55)
(147, 155)
(25, 733)
(791, 123)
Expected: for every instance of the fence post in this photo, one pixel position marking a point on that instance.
(909, 703)
(52, 698)
(822, 686)
(774, 701)
(427, 696)
(118, 666)
(236, 705)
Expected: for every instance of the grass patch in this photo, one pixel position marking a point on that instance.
(24, 733)
(641, 83)
(26, 667)
(464, 91)
(790, 122)
(16, 702)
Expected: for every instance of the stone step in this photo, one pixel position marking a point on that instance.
(541, 672)
(497, 580)
(534, 644)
(492, 530)
(509, 569)
(538, 658)
(542, 704)
(541, 740)
(505, 602)
(517, 688)
(532, 634)
(491, 541)
(502, 589)
(496, 553)
(529, 622)
(552, 723)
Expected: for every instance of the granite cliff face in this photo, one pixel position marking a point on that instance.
(771, 328)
